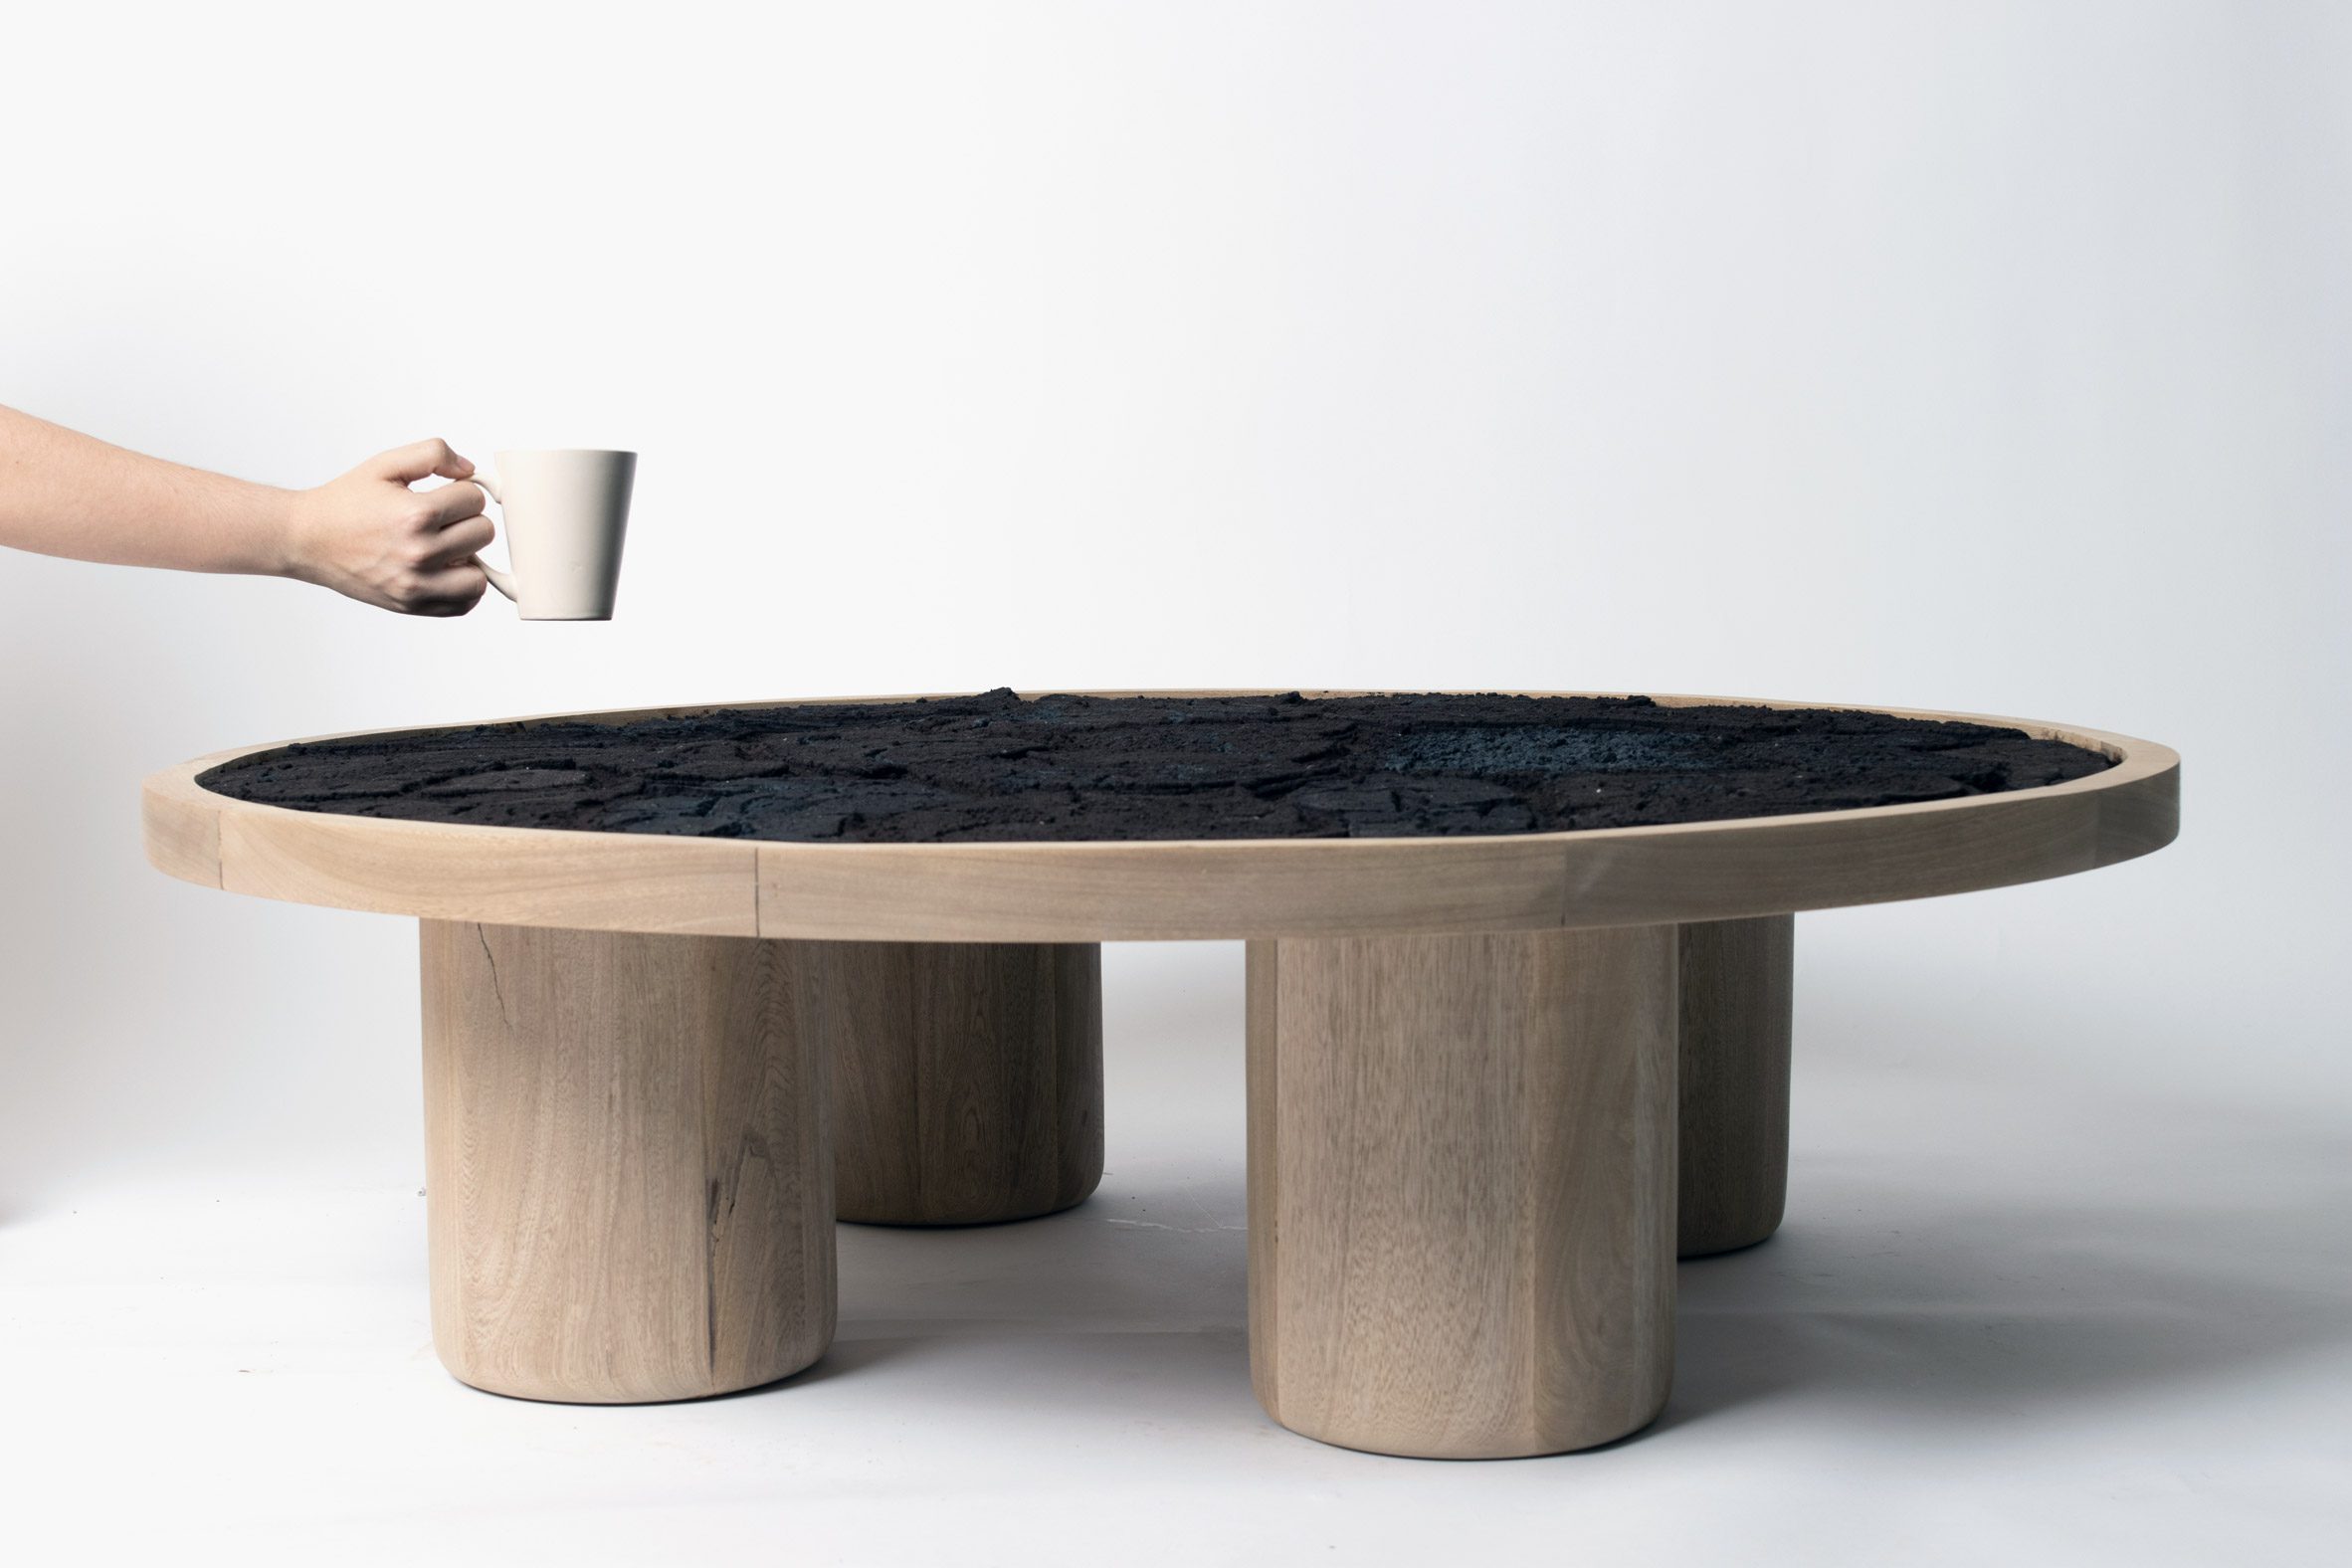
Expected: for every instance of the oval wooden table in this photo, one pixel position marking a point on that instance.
(1496, 1083)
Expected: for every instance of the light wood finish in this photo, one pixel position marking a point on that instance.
(181, 824)
(1141, 891)
(967, 1078)
(1462, 1058)
(1461, 1188)
(580, 881)
(1737, 993)
(1178, 889)
(629, 1183)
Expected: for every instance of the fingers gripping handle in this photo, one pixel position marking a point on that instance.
(503, 581)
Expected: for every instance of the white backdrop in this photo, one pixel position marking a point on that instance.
(1995, 358)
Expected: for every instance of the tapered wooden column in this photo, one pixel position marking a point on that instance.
(1461, 1188)
(967, 1078)
(628, 1182)
(1736, 997)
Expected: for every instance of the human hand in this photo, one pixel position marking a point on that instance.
(368, 536)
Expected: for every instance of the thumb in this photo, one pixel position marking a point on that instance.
(418, 459)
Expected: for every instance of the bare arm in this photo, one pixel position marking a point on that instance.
(366, 535)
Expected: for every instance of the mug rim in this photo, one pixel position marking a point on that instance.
(563, 452)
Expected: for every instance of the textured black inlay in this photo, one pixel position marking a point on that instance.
(996, 767)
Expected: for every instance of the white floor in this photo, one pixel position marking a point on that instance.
(2017, 1314)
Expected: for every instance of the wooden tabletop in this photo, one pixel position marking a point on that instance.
(1171, 889)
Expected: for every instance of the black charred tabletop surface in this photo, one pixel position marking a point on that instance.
(998, 768)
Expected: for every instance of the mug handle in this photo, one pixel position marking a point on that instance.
(503, 581)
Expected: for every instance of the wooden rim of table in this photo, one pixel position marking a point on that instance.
(1168, 889)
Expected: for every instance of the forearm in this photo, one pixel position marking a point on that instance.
(66, 493)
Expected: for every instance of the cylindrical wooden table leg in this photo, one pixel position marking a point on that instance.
(967, 1078)
(1736, 997)
(1461, 1188)
(628, 1182)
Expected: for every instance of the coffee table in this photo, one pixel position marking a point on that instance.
(1497, 1083)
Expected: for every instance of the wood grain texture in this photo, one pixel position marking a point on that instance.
(967, 1078)
(182, 835)
(1142, 893)
(1737, 987)
(1461, 1188)
(578, 881)
(1182, 890)
(629, 1180)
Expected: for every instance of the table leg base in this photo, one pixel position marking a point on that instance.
(1736, 990)
(1461, 1188)
(628, 1178)
(967, 1078)
(1463, 1155)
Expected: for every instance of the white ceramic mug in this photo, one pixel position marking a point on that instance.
(564, 514)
